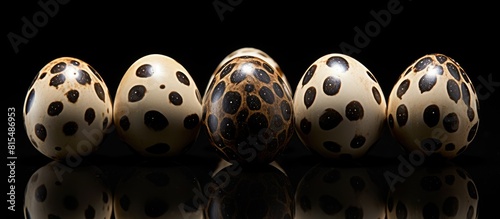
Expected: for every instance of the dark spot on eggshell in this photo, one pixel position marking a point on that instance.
(376, 95)
(390, 121)
(124, 123)
(431, 144)
(402, 115)
(431, 115)
(72, 96)
(402, 88)
(354, 111)
(268, 68)
(472, 132)
(105, 123)
(89, 115)
(332, 146)
(358, 141)
(226, 70)
(182, 78)
(40, 131)
(100, 92)
(41, 193)
(237, 76)
(309, 96)
(331, 85)
(422, 63)
(57, 68)
(83, 77)
(218, 91)
(227, 129)
(136, 93)
(175, 98)
(465, 94)
(309, 74)
(253, 102)
(371, 76)
(249, 88)
(213, 123)
(278, 90)
(262, 75)
(330, 119)
(70, 128)
(449, 147)
(257, 122)
(57, 80)
(144, 71)
(427, 82)
(338, 63)
(451, 122)
(453, 90)
(232, 102)
(155, 120)
(471, 189)
(286, 110)
(329, 205)
(55, 108)
(266, 94)
(452, 68)
(441, 58)
(470, 114)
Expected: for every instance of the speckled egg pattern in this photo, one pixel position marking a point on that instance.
(339, 107)
(67, 109)
(434, 107)
(157, 107)
(247, 107)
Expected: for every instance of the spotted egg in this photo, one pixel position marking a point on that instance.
(157, 107)
(67, 110)
(433, 107)
(247, 110)
(339, 107)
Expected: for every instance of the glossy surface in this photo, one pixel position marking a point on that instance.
(247, 111)
(157, 109)
(67, 109)
(433, 107)
(58, 191)
(339, 107)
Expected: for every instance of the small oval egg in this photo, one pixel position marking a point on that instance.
(157, 107)
(339, 107)
(67, 110)
(247, 110)
(433, 107)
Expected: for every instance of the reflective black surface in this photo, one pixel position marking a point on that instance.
(298, 185)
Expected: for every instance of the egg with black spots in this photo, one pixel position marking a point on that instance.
(339, 107)
(433, 107)
(157, 107)
(67, 110)
(247, 110)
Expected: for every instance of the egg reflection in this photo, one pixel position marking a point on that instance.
(328, 191)
(157, 191)
(264, 192)
(434, 192)
(59, 191)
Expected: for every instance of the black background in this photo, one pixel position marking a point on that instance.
(110, 37)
